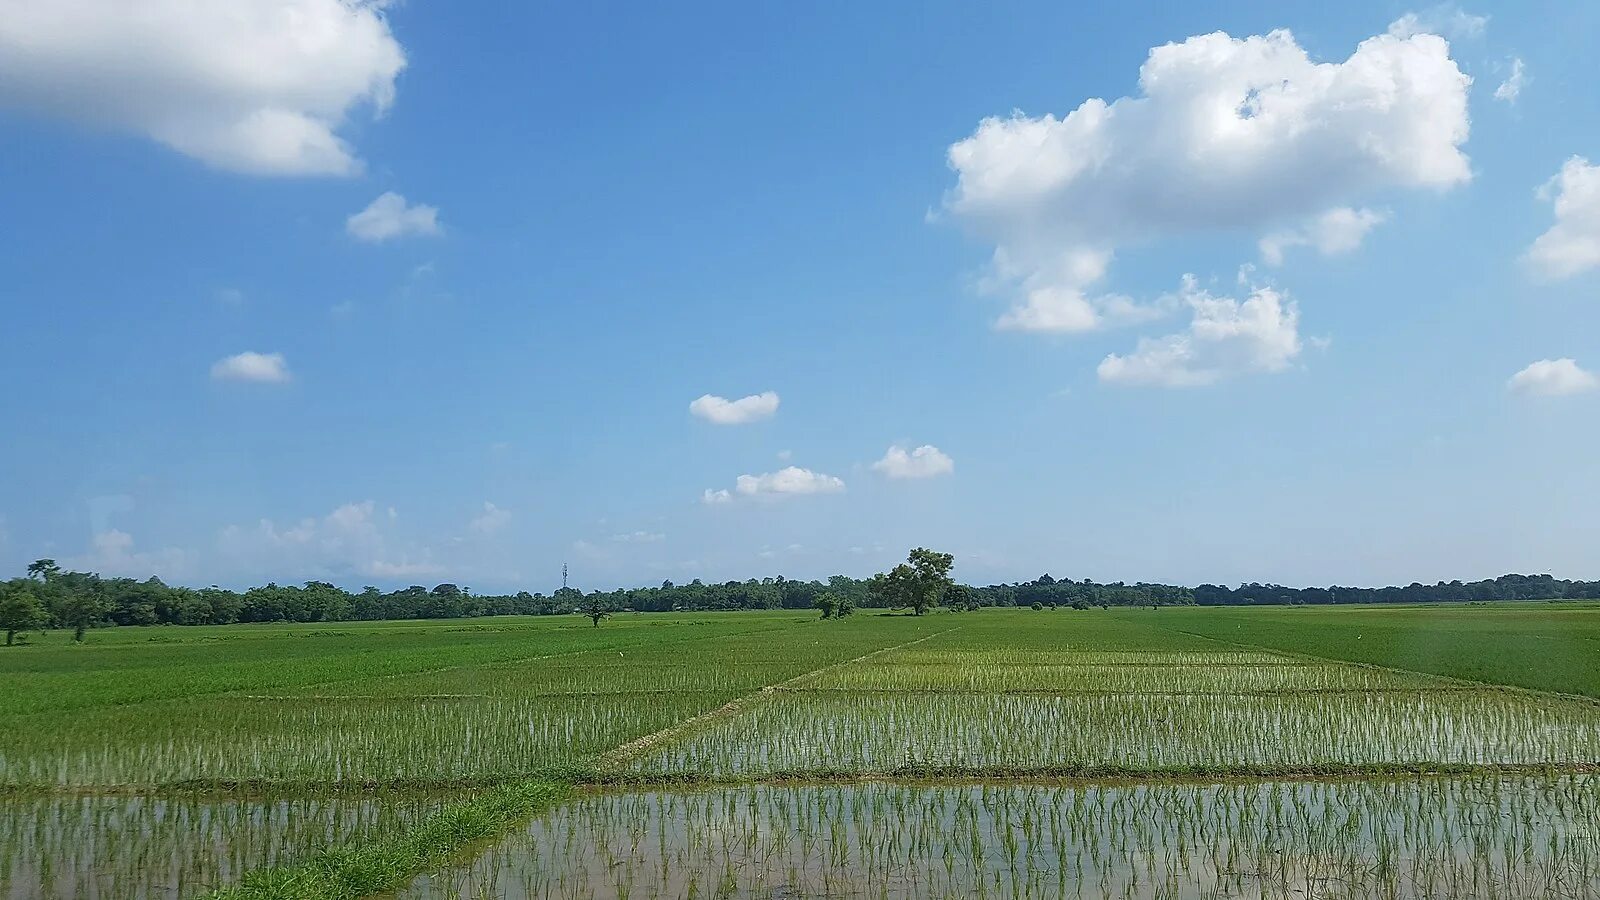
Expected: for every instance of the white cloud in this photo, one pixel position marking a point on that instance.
(1510, 89)
(1572, 244)
(1225, 338)
(253, 86)
(1339, 230)
(712, 497)
(390, 217)
(1553, 378)
(346, 542)
(926, 461)
(723, 411)
(112, 554)
(1445, 19)
(1226, 133)
(788, 481)
(267, 368)
(491, 520)
(638, 537)
(379, 568)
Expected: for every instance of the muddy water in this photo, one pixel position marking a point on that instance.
(143, 847)
(1421, 838)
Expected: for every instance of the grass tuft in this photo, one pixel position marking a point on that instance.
(386, 865)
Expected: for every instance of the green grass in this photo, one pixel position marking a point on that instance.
(348, 873)
(424, 737)
(1540, 646)
(124, 666)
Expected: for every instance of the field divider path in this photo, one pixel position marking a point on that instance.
(617, 757)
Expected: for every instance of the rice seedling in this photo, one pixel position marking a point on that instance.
(1206, 677)
(355, 728)
(1545, 647)
(1416, 838)
(800, 734)
(120, 846)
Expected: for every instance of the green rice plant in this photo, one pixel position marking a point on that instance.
(316, 743)
(346, 874)
(962, 674)
(191, 662)
(1540, 646)
(827, 733)
(1509, 838)
(132, 846)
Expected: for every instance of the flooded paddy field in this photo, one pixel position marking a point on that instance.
(1001, 753)
(134, 847)
(1413, 838)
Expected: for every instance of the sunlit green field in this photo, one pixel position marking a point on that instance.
(1338, 752)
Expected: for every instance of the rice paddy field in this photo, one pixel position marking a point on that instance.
(1007, 753)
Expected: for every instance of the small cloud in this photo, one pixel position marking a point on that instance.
(1226, 338)
(390, 217)
(788, 481)
(722, 411)
(785, 455)
(404, 568)
(112, 553)
(491, 520)
(638, 537)
(266, 368)
(231, 297)
(1572, 244)
(342, 310)
(1553, 378)
(1339, 230)
(1446, 20)
(926, 461)
(1510, 89)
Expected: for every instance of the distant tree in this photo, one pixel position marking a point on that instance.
(596, 608)
(1037, 606)
(960, 597)
(843, 606)
(79, 609)
(567, 600)
(43, 569)
(20, 610)
(827, 602)
(892, 589)
(919, 583)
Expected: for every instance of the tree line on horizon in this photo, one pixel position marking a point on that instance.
(50, 597)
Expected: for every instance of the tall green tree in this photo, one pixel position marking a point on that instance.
(79, 609)
(919, 583)
(961, 597)
(20, 611)
(595, 607)
(43, 569)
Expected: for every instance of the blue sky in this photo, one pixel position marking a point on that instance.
(220, 369)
